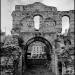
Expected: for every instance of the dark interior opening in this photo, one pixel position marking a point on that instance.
(60, 67)
(40, 58)
(43, 58)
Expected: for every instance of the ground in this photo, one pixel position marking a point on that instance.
(38, 70)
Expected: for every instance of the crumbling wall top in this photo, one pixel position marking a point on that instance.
(38, 5)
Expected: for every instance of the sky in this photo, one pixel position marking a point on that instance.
(7, 6)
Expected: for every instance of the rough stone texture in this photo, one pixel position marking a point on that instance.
(10, 60)
(50, 27)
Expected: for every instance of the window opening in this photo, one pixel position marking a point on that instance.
(37, 22)
(65, 25)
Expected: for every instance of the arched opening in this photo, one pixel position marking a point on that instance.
(41, 43)
(37, 52)
(65, 25)
(37, 22)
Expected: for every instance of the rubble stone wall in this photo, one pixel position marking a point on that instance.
(50, 22)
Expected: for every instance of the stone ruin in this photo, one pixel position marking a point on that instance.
(59, 48)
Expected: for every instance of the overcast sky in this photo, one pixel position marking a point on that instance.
(7, 6)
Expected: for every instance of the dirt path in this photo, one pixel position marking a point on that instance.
(38, 70)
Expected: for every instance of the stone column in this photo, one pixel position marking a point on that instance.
(63, 68)
(20, 66)
(55, 64)
(20, 62)
(23, 63)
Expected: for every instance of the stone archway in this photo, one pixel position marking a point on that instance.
(42, 40)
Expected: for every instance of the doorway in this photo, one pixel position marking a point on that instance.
(38, 56)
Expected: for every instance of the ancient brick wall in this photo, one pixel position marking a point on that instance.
(50, 19)
(50, 23)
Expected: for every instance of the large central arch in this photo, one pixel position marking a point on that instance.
(40, 39)
(43, 40)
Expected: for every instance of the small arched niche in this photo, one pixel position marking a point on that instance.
(37, 22)
(65, 25)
